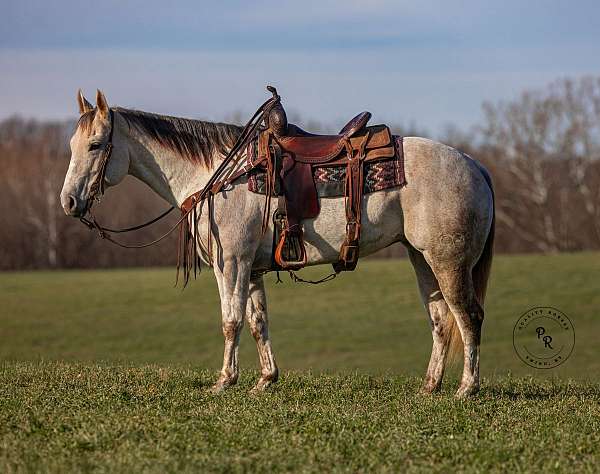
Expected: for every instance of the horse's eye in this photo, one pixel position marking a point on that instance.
(95, 146)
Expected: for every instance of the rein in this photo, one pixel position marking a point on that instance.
(216, 182)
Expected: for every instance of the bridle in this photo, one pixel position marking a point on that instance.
(97, 191)
(220, 178)
(97, 187)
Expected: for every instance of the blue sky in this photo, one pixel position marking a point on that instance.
(432, 63)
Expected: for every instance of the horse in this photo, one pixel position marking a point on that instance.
(444, 215)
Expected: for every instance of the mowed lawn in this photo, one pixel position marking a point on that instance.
(109, 370)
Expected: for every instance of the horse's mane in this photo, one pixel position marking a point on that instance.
(193, 140)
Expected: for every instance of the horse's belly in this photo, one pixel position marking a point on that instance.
(382, 225)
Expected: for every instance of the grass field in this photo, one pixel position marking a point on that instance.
(59, 417)
(107, 370)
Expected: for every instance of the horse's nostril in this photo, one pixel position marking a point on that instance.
(72, 202)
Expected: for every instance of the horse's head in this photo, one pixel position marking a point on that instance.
(98, 157)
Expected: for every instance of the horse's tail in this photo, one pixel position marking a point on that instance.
(481, 271)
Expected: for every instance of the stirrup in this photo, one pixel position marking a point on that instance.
(290, 253)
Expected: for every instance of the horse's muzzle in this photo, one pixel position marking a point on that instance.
(72, 206)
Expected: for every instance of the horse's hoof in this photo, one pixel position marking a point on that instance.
(217, 388)
(430, 389)
(261, 386)
(220, 386)
(431, 385)
(466, 391)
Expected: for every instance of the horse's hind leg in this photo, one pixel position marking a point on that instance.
(256, 315)
(456, 283)
(440, 320)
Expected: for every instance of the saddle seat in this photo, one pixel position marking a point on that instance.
(318, 149)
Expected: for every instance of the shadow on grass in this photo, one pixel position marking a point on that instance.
(537, 391)
(203, 383)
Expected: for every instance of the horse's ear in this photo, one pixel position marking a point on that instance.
(101, 103)
(84, 105)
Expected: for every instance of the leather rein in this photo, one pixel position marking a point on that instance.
(216, 182)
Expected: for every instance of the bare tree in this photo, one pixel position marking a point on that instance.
(35, 233)
(544, 151)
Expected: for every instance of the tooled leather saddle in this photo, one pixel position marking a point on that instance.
(292, 154)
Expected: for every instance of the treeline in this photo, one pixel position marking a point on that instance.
(543, 151)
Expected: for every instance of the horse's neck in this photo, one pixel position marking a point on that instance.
(166, 173)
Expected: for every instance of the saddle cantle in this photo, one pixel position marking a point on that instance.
(292, 154)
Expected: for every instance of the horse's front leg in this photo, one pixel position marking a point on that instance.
(256, 314)
(233, 280)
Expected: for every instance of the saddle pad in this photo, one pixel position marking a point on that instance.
(330, 180)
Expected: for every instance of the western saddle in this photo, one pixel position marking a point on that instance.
(291, 154)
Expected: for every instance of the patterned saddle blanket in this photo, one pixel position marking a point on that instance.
(330, 180)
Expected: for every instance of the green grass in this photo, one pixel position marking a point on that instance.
(370, 321)
(107, 371)
(70, 417)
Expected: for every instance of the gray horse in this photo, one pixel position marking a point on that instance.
(444, 216)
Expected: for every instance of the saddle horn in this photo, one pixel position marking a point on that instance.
(276, 120)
